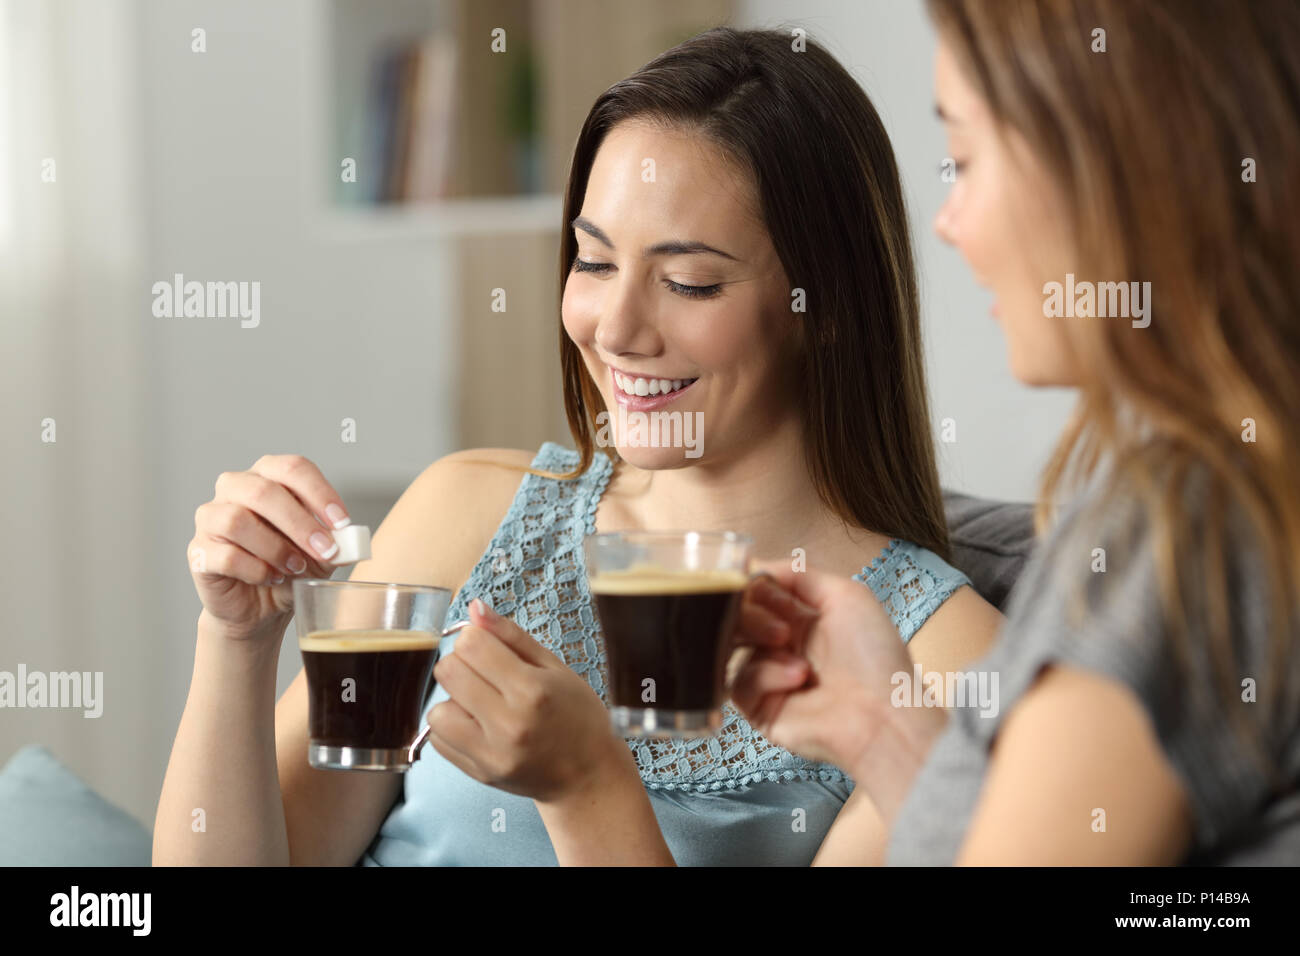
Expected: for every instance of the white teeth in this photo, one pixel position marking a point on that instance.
(654, 386)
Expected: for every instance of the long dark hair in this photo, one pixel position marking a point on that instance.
(831, 200)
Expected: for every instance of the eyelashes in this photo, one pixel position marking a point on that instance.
(580, 265)
(687, 291)
(693, 291)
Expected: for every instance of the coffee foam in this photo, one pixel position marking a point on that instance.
(651, 579)
(370, 642)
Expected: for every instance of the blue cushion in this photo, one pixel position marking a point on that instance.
(49, 817)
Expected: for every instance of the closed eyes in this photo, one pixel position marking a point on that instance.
(688, 291)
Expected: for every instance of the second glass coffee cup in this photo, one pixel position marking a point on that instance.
(667, 602)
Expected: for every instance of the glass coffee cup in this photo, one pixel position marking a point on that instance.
(667, 602)
(368, 650)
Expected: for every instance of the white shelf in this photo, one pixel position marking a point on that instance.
(447, 219)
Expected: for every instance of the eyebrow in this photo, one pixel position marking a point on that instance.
(673, 247)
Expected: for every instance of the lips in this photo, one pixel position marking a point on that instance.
(645, 393)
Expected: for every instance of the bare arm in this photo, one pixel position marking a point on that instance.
(611, 823)
(1078, 745)
(220, 801)
(220, 798)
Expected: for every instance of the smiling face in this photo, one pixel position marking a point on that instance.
(1004, 216)
(677, 300)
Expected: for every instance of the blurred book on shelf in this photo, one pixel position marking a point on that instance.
(433, 121)
(412, 111)
(468, 99)
(447, 118)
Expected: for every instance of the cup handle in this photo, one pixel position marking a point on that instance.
(413, 754)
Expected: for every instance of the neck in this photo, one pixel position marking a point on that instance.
(762, 489)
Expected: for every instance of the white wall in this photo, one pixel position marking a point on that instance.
(354, 330)
(151, 410)
(1004, 430)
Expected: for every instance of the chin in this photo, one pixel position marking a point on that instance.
(1028, 374)
(655, 459)
(1040, 374)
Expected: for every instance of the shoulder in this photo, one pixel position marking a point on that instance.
(475, 479)
(1160, 588)
(1149, 558)
(474, 463)
(924, 593)
(443, 522)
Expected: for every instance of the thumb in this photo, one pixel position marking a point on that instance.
(507, 632)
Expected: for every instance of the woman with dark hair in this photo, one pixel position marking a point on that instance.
(736, 244)
(1150, 662)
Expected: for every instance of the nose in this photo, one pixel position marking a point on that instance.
(623, 327)
(945, 223)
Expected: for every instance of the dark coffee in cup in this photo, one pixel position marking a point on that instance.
(666, 635)
(381, 709)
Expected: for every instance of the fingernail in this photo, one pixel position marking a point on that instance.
(296, 563)
(483, 609)
(278, 579)
(324, 546)
(338, 516)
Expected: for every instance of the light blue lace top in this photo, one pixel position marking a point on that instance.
(730, 799)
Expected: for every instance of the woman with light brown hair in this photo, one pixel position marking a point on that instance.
(1150, 667)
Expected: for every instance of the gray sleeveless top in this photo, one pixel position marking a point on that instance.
(1118, 630)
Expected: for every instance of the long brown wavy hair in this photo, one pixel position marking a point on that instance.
(829, 191)
(1150, 143)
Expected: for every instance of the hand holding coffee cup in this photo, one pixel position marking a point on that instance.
(520, 719)
(821, 685)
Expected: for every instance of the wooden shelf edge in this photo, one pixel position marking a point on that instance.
(448, 219)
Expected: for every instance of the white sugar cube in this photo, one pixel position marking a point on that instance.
(354, 544)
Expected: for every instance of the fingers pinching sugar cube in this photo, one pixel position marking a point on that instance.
(354, 544)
